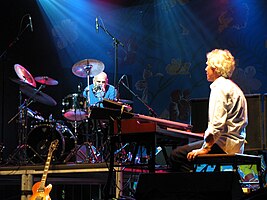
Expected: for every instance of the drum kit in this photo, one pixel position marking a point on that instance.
(27, 85)
(34, 143)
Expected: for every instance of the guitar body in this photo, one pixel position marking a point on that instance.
(36, 195)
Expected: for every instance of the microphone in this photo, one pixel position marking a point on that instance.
(97, 88)
(118, 86)
(96, 24)
(124, 75)
(30, 19)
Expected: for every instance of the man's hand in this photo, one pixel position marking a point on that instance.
(193, 154)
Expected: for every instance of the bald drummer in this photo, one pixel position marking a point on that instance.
(99, 90)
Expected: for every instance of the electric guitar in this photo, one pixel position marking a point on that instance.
(40, 192)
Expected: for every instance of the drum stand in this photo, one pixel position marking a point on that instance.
(77, 151)
(86, 152)
(21, 149)
(89, 156)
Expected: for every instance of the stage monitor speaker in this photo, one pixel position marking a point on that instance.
(199, 114)
(199, 119)
(259, 194)
(255, 125)
(189, 186)
(265, 122)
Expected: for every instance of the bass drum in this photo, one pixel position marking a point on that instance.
(40, 138)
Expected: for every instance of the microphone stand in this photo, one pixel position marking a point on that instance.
(14, 41)
(154, 114)
(116, 44)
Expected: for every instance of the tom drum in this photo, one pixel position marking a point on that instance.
(74, 107)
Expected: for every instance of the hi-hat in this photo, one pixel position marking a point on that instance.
(45, 80)
(37, 95)
(24, 75)
(89, 67)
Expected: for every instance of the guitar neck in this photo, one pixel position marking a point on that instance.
(46, 168)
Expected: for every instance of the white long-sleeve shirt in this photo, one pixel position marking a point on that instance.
(227, 115)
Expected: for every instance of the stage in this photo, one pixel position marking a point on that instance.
(78, 181)
(63, 174)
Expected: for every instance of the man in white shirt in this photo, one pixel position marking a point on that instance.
(227, 115)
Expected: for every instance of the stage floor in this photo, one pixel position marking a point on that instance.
(89, 179)
(73, 181)
(89, 176)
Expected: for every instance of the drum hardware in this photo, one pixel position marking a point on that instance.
(24, 75)
(41, 136)
(19, 81)
(24, 158)
(2, 147)
(38, 95)
(80, 68)
(23, 118)
(85, 152)
(45, 80)
(75, 127)
(74, 107)
(27, 86)
(34, 95)
(88, 68)
(34, 115)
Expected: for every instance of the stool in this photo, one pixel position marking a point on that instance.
(230, 159)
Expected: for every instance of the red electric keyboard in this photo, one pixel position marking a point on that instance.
(142, 124)
(143, 130)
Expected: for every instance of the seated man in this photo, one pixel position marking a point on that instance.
(227, 115)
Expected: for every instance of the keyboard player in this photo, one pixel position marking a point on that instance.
(225, 133)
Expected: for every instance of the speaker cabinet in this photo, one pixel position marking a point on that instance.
(188, 186)
(257, 195)
(199, 114)
(265, 122)
(255, 123)
(199, 119)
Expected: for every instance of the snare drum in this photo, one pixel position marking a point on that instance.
(74, 107)
(40, 138)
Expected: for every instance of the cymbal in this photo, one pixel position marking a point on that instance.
(24, 75)
(19, 81)
(45, 80)
(88, 66)
(37, 95)
(125, 101)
